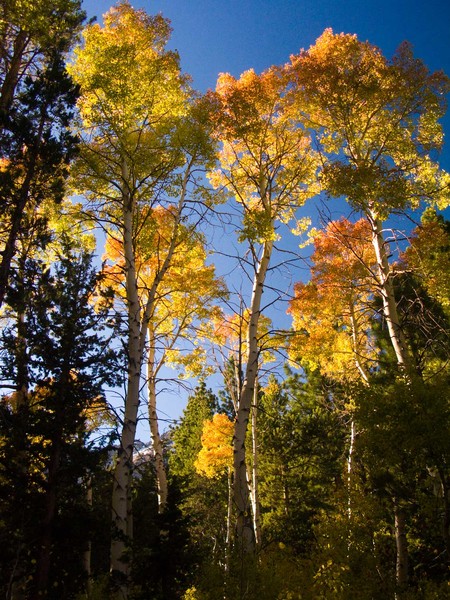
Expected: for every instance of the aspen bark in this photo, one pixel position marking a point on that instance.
(365, 378)
(386, 288)
(254, 490)
(244, 524)
(13, 74)
(229, 520)
(356, 344)
(445, 486)
(405, 365)
(123, 471)
(160, 469)
(138, 321)
(401, 570)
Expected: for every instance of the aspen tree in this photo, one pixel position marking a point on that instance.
(134, 107)
(377, 122)
(268, 166)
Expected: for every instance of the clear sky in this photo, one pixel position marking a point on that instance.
(214, 36)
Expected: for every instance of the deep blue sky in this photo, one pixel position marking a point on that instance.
(214, 36)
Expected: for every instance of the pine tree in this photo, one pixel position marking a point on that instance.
(45, 441)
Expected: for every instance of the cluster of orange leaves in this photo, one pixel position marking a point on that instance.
(336, 301)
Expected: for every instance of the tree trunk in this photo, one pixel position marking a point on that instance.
(401, 570)
(9, 249)
(138, 322)
(21, 201)
(254, 479)
(229, 520)
(160, 469)
(365, 378)
(244, 526)
(356, 344)
(445, 485)
(121, 509)
(386, 289)
(350, 471)
(13, 74)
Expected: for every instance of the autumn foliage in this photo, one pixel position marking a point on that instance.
(318, 467)
(216, 454)
(331, 313)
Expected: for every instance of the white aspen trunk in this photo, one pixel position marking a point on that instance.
(229, 521)
(388, 297)
(350, 472)
(160, 469)
(137, 330)
(255, 492)
(244, 525)
(405, 365)
(121, 506)
(445, 490)
(401, 570)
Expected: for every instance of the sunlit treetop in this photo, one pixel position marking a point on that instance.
(123, 68)
(266, 159)
(378, 119)
(344, 259)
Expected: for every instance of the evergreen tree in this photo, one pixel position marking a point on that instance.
(45, 450)
(203, 501)
(36, 105)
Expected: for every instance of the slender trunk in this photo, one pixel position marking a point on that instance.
(121, 509)
(350, 471)
(137, 330)
(229, 521)
(401, 571)
(405, 365)
(255, 492)
(386, 288)
(160, 469)
(244, 525)
(286, 491)
(356, 344)
(18, 580)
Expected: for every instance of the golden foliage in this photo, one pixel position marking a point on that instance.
(266, 159)
(216, 455)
